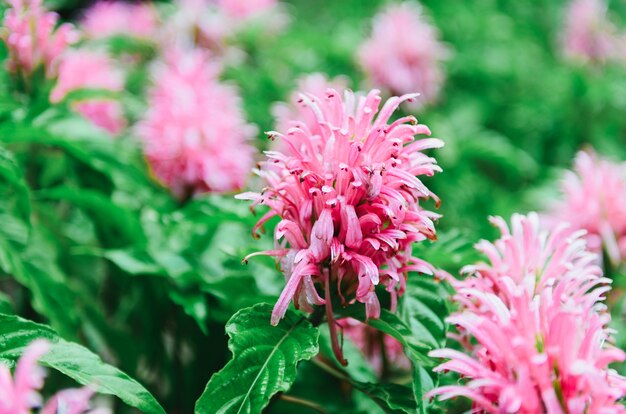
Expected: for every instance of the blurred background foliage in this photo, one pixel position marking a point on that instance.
(92, 245)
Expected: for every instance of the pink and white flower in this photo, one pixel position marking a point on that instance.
(534, 327)
(194, 134)
(111, 18)
(594, 199)
(348, 198)
(588, 35)
(243, 10)
(19, 393)
(84, 69)
(33, 38)
(404, 53)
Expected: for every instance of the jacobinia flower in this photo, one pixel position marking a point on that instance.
(376, 346)
(83, 69)
(111, 18)
(33, 38)
(595, 200)
(20, 394)
(242, 10)
(404, 53)
(348, 199)
(194, 134)
(588, 35)
(539, 327)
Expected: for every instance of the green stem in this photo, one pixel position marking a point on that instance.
(303, 402)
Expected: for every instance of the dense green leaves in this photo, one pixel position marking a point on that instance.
(264, 361)
(74, 361)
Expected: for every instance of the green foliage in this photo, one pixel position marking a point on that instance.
(264, 361)
(74, 361)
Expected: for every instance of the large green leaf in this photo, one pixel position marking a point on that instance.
(74, 361)
(264, 361)
(392, 398)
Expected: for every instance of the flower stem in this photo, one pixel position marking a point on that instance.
(332, 325)
(303, 402)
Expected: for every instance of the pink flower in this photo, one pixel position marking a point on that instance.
(243, 10)
(376, 346)
(404, 53)
(19, 394)
(194, 133)
(348, 199)
(595, 200)
(111, 18)
(538, 324)
(588, 35)
(33, 39)
(92, 70)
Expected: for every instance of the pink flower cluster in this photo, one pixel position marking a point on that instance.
(535, 327)
(242, 10)
(110, 18)
(588, 35)
(19, 394)
(403, 53)
(83, 69)
(347, 193)
(595, 200)
(32, 38)
(194, 134)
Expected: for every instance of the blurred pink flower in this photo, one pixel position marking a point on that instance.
(244, 9)
(110, 18)
(348, 198)
(403, 53)
(194, 133)
(84, 69)
(19, 394)
(368, 341)
(32, 37)
(588, 35)
(595, 200)
(538, 324)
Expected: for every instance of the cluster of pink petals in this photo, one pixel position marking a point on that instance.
(368, 341)
(347, 193)
(404, 53)
(33, 38)
(84, 69)
(595, 200)
(534, 326)
(194, 133)
(588, 35)
(285, 114)
(19, 394)
(111, 18)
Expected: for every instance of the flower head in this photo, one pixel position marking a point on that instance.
(403, 53)
(194, 134)
(538, 324)
(595, 200)
(588, 35)
(349, 201)
(32, 38)
(20, 394)
(111, 18)
(92, 70)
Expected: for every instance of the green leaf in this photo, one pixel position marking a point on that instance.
(74, 361)
(392, 398)
(264, 361)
